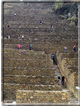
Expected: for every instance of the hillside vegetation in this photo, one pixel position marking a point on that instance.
(67, 11)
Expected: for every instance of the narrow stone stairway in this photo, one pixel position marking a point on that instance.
(72, 97)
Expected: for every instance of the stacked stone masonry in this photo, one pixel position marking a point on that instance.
(42, 96)
(69, 68)
(10, 90)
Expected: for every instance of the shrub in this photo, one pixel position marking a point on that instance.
(73, 18)
(63, 16)
(72, 24)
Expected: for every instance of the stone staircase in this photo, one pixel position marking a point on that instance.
(72, 98)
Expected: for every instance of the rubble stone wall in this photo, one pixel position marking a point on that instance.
(11, 89)
(23, 96)
(70, 74)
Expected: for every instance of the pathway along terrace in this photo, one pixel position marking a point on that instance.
(34, 73)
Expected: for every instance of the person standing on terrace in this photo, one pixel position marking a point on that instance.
(53, 59)
(51, 26)
(22, 36)
(59, 80)
(22, 8)
(19, 46)
(63, 78)
(14, 14)
(29, 47)
(40, 22)
(65, 49)
(8, 25)
(74, 47)
(8, 37)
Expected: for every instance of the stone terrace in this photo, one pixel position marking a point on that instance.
(18, 76)
(34, 70)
